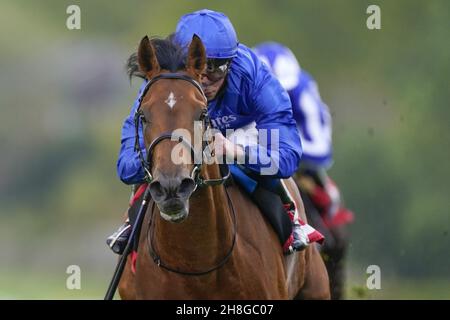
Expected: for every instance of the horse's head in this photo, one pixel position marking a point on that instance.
(172, 104)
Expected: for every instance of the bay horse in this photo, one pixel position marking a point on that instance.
(208, 242)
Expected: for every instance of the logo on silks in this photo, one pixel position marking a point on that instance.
(261, 145)
(223, 122)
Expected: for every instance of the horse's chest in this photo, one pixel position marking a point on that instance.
(224, 285)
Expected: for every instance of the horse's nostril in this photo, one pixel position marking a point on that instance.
(157, 191)
(171, 188)
(187, 186)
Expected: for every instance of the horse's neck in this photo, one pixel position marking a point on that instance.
(206, 235)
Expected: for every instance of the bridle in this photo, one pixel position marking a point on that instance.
(195, 174)
(204, 118)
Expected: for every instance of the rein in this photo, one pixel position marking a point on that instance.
(157, 258)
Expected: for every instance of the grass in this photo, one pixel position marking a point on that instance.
(402, 289)
(46, 286)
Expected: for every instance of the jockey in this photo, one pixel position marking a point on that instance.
(241, 93)
(314, 125)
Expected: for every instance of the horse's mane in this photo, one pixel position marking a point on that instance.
(171, 56)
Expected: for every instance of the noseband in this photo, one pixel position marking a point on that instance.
(147, 163)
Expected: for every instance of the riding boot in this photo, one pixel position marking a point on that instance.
(282, 218)
(300, 239)
(119, 239)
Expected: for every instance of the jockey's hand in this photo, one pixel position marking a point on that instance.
(224, 147)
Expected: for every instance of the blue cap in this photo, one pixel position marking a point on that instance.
(214, 29)
(281, 61)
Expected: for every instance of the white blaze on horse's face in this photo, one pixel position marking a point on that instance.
(171, 100)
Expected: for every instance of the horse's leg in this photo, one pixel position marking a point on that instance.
(316, 285)
(334, 257)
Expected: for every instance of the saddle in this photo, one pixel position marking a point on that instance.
(269, 196)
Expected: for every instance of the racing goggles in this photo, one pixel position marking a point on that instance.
(217, 69)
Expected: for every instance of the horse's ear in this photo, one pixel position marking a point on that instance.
(148, 63)
(196, 61)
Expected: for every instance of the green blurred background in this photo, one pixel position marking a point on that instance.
(64, 95)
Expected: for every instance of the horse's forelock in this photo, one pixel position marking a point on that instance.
(169, 54)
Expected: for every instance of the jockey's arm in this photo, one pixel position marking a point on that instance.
(129, 167)
(274, 118)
